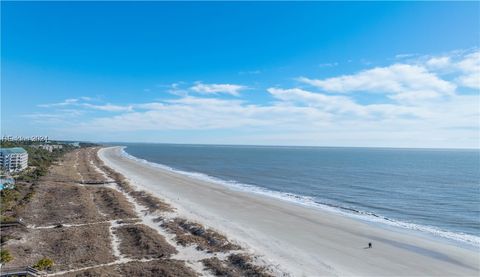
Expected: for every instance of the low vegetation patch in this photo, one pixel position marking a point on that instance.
(44, 264)
(164, 268)
(58, 202)
(140, 241)
(9, 198)
(69, 247)
(187, 233)
(167, 268)
(152, 203)
(14, 199)
(84, 166)
(235, 265)
(112, 203)
(5, 256)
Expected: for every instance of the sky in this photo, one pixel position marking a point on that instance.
(364, 74)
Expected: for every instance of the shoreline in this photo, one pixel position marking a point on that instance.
(303, 240)
(425, 231)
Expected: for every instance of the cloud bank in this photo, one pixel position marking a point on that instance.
(423, 102)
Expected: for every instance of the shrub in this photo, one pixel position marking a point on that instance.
(5, 256)
(8, 198)
(44, 263)
(6, 218)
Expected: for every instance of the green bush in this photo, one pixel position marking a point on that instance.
(44, 263)
(5, 256)
(6, 218)
(8, 198)
(29, 196)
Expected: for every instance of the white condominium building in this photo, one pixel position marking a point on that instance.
(48, 147)
(13, 159)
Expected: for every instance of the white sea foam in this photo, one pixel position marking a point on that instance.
(310, 202)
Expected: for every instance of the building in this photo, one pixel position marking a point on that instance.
(13, 159)
(75, 144)
(48, 147)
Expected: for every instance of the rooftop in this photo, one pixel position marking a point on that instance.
(13, 150)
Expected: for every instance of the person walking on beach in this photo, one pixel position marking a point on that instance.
(369, 245)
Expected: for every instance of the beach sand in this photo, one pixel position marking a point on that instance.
(302, 241)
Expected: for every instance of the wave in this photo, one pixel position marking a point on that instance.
(312, 203)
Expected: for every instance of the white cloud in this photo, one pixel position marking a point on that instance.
(66, 102)
(461, 67)
(304, 117)
(175, 89)
(75, 102)
(470, 67)
(109, 107)
(324, 102)
(340, 105)
(217, 88)
(430, 109)
(438, 62)
(398, 81)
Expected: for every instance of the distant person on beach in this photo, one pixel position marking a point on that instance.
(369, 245)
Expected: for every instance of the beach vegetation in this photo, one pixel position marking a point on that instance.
(6, 218)
(5, 256)
(13, 199)
(188, 233)
(43, 264)
(235, 265)
(141, 241)
(8, 199)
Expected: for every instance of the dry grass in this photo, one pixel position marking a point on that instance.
(163, 268)
(65, 169)
(140, 241)
(68, 247)
(187, 233)
(112, 203)
(104, 271)
(167, 268)
(59, 200)
(56, 202)
(152, 203)
(85, 167)
(235, 265)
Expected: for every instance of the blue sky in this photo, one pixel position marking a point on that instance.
(331, 74)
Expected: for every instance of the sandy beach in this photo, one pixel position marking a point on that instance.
(300, 240)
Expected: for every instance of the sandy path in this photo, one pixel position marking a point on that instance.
(304, 241)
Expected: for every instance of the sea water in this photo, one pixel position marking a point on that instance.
(436, 191)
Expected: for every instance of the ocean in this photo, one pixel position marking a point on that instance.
(436, 191)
